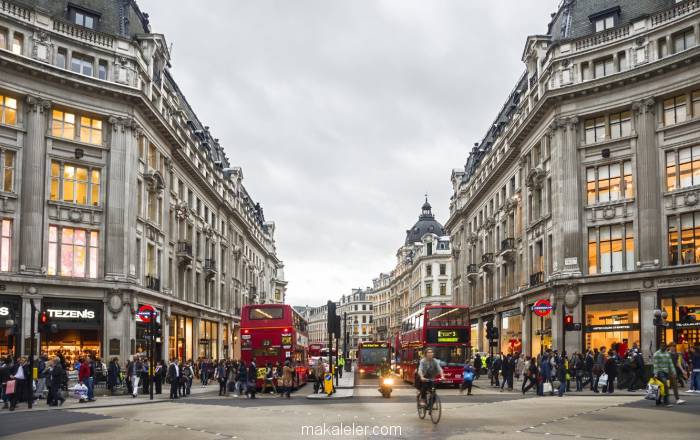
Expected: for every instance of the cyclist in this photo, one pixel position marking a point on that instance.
(428, 370)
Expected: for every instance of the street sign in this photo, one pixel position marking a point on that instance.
(145, 312)
(542, 307)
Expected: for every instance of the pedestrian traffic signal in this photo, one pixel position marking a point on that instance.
(568, 323)
(45, 325)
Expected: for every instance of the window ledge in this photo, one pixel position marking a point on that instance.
(77, 142)
(15, 127)
(682, 191)
(610, 204)
(7, 195)
(689, 121)
(69, 205)
(607, 142)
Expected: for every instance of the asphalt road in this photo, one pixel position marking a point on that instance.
(488, 414)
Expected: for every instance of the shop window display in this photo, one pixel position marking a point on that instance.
(73, 344)
(540, 334)
(511, 333)
(687, 320)
(608, 324)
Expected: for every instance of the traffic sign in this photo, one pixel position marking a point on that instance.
(145, 312)
(542, 307)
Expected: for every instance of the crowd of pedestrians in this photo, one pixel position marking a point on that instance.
(600, 370)
(233, 377)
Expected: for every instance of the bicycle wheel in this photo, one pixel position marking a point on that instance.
(436, 410)
(421, 409)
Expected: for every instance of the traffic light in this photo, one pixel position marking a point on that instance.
(494, 333)
(568, 323)
(331, 324)
(45, 325)
(489, 330)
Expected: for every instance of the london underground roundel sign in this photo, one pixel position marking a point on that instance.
(145, 313)
(542, 307)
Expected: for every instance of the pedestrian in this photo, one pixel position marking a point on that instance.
(19, 375)
(173, 377)
(530, 378)
(665, 371)
(546, 371)
(59, 378)
(562, 372)
(599, 363)
(477, 366)
(508, 369)
(113, 375)
(84, 375)
(241, 380)
(269, 379)
(252, 379)
(92, 369)
(694, 356)
(287, 380)
(496, 364)
(222, 376)
(158, 377)
(467, 379)
(136, 368)
(610, 369)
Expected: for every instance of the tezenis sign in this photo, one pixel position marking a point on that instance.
(71, 314)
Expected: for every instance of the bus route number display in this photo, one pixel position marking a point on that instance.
(373, 345)
(447, 336)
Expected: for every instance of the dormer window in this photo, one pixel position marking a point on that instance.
(83, 18)
(606, 19)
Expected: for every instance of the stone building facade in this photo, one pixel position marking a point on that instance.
(422, 276)
(584, 191)
(115, 195)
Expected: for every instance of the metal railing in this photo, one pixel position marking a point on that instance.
(184, 248)
(152, 283)
(536, 278)
(487, 258)
(210, 265)
(507, 244)
(472, 268)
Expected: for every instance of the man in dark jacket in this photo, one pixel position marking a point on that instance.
(57, 377)
(496, 365)
(508, 368)
(173, 378)
(252, 379)
(21, 374)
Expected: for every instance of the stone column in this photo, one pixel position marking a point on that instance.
(647, 303)
(33, 186)
(648, 183)
(566, 198)
(479, 334)
(119, 229)
(525, 315)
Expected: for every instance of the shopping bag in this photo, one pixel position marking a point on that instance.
(652, 392)
(547, 387)
(603, 381)
(10, 387)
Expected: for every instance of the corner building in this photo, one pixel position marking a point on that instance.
(585, 189)
(114, 195)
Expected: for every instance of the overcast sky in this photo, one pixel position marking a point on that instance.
(343, 114)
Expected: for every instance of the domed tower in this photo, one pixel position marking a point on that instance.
(426, 224)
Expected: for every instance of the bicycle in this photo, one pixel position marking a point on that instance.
(433, 405)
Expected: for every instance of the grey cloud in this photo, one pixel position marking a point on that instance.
(344, 113)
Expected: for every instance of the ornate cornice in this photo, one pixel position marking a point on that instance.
(124, 124)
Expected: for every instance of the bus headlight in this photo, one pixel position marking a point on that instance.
(388, 381)
(362, 370)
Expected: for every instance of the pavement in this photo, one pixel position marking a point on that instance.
(487, 414)
(344, 390)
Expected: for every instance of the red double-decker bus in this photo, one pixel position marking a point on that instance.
(370, 356)
(274, 333)
(445, 329)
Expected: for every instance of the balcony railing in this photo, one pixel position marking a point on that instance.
(487, 258)
(507, 245)
(472, 269)
(183, 251)
(536, 278)
(83, 33)
(210, 266)
(677, 11)
(152, 283)
(16, 10)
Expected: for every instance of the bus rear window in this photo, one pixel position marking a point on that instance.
(266, 313)
(266, 352)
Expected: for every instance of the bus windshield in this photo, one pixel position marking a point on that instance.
(450, 356)
(448, 317)
(266, 313)
(374, 356)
